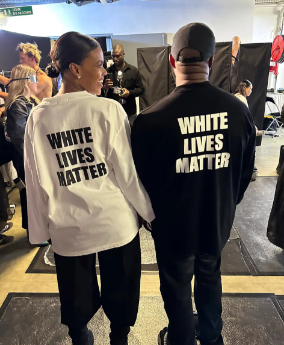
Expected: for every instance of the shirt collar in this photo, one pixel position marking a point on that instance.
(127, 66)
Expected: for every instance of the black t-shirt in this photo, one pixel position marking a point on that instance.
(194, 153)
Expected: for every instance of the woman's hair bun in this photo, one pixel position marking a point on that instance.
(52, 71)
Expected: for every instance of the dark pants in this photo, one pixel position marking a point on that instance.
(18, 162)
(175, 277)
(120, 272)
(4, 203)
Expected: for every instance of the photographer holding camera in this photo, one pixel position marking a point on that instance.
(123, 83)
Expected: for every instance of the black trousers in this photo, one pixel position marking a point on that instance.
(120, 273)
(18, 162)
(4, 203)
(175, 278)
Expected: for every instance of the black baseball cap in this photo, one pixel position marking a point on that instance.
(196, 36)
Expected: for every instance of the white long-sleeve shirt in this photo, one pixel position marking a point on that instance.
(242, 98)
(82, 184)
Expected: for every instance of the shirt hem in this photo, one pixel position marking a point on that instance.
(97, 250)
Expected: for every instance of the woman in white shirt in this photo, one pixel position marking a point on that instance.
(243, 91)
(83, 192)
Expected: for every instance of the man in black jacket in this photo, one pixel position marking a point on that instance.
(130, 81)
(194, 153)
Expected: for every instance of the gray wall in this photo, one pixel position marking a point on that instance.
(132, 42)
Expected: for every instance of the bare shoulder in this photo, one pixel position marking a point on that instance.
(43, 78)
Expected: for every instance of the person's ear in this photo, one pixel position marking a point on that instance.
(172, 61)
(74, 69)
(211, 60)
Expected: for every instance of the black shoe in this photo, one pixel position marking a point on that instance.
(6, 239)
(163, 337)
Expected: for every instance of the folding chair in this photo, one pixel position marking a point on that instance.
(276, 119)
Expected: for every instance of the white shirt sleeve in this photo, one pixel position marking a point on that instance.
(126, 175)
(36, 198)
(242, 99)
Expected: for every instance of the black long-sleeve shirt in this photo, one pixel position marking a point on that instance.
(132, 82)
(194, 153)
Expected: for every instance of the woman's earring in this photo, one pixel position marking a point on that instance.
(79, 76)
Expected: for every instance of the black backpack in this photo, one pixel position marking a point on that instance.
(281, 159)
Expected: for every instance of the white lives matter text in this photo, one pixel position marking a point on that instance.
(203, 151)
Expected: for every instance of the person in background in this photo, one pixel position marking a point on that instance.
(196, 163)
(282, 114)
(2, 104)
(83, 192)
(4, 206)
(18, 107)
(275, 229)
(243, 91)
(6, 153)
(30, 56)
(9, 173)
(3, 95)
(131, 82)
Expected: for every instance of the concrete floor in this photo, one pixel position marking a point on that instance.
(267, 156)
(17, 256)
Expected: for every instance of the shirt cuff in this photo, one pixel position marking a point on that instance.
(132, 93)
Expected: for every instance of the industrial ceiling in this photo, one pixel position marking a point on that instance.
(15, 3)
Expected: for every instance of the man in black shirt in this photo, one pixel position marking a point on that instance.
(194, 153)
(130, 81)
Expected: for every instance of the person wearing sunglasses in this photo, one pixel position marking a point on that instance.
(22, 85)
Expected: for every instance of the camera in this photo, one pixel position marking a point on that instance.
(117, 90)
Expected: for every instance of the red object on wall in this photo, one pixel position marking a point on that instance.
(274, 69)
(277, 49)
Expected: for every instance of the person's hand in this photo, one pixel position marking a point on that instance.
(147, 225)
(144, 223)
(125, 93)
(108, 84)
(2, 111)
